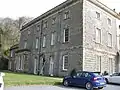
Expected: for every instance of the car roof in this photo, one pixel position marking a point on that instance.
(88, 71)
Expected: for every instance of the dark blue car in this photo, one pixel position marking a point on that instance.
(89, 80)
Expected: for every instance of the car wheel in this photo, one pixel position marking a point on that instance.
(106, 80)
(66, 83)
(88, 86)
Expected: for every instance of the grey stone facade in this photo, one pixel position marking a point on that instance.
(81, 47)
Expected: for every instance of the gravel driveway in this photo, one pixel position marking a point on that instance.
(109, 87)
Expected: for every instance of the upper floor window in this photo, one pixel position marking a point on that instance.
(109, 21)
(53, 38)
(38, 27)
(97, 15)
(45, 24)
(28, 32)
(44, 41)
(37, 40)
(66, 15)
(98, 63)
(110, 62)
(98, 35)
(11, 54)
(66, 35)
(110, 39)
(25, 44)
(65, 62)
(53, 20)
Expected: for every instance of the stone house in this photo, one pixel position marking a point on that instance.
(81, 34)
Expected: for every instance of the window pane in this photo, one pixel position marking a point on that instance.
(110, 65)
(44, 41)
(109, 21)
(53, 20)
(66, 15)
(98, 58)
(109, 39)
(65, 62)
(36, 43)
(53, 39)
(98, 15)
(25, 44)
(66, 35)
(98, 35)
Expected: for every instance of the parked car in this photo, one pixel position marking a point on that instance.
(113, 78)
(1, 81)
(89, 80)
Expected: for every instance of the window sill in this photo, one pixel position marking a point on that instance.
(52, 45)
(64, 70)
(65, 42)
(97, 42)
(109, 46)
(67, 18)
(53, 23)
(43, 47)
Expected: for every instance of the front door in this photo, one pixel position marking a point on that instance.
(51, 66)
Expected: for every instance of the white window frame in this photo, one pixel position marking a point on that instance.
(44, 41)
(111, 69)
(53, 38)
(66, 14)
(64, 35)
(37, 42)
(53, 20)
(64, 63)
(38, 27)
(98, 39)
(110, 43)
(98, 15)
(11, 54)
(45, 24)
(25, 44)
(29, 32)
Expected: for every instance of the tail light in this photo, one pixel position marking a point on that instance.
(94, 79)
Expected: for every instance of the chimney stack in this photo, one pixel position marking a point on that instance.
(114, 9)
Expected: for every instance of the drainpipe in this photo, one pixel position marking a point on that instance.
(40, 46)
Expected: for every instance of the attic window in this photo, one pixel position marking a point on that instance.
(28, 32)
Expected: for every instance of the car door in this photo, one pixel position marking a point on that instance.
(77, 79)
(86, 78)
(113, 78)
(116, 78)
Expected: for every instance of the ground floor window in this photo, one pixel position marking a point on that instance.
(35, 66)
(10, 65)
(110, 62)
(65, 62)
(98, 63)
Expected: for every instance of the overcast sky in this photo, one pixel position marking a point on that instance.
(34, 8)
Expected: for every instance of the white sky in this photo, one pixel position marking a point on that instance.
(34, 8)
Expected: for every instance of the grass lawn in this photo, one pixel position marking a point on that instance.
(17, 79)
